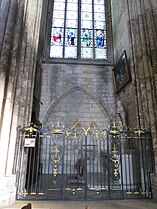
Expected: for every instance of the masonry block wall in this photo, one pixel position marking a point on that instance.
(121, 42)
(75, 92)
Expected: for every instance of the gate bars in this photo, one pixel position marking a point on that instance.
(83, 163)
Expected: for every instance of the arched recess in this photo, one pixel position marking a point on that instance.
(96, 106)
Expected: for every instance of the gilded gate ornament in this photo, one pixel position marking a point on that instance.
(55, 159)
(83, 162)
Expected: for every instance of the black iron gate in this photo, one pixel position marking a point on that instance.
(83, 163)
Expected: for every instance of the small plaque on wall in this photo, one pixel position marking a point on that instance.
(29, 142)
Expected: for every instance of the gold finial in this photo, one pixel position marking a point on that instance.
(139, 132)
(57, 129)
(30, 129)
(114, 130)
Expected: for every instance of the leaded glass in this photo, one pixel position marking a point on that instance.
(71, 23)
(86, 24)
(100, 53)
(71, 37)
(72, 15)
(99, 32)
(98, 1)
(71, 52)
(100, 36)
(57, 36)
(87, 53)
(58, 22)
(100, 43)
(59, 0)
(86, 7)
(72, 6)
(75, 1)
(86, 38)
(99, 8)
(86, 15)
(56, 51)
(58, 14)
(100, 25)
(99, 16)
(59, 6)
(86, 1)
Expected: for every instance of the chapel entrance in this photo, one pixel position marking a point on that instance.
(83, 163)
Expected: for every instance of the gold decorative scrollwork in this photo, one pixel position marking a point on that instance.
(68, 133)
(78, 123)
(116, 172)
(95, 124)
(86, 130)
(55, 159)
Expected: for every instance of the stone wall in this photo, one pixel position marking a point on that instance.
(74, 92)
(120, 28)
(139, 96)
(121, 42)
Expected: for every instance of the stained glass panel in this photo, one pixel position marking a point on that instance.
(86, 15)
(99, 16)
(98, 1)
(100, 37)
(100, 25)
(86, 7)
(100, 53)
(71, 52)
(59, 6)
(99, 8)
(86, 1)
(72, 15)
(57, 36)
(86, 24)
(71, 23)
(71, 37)
(72, 6)
(64, 36)
(56, 51)
(87, 53)
(58, 22)
(76, 1)
(58, 14)
(99, 32)
(86, 38)
(59, 0)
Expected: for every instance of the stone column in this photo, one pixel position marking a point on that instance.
(8, 10)
(18, 64)
(143, 37)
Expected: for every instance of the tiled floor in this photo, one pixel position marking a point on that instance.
(113, 204)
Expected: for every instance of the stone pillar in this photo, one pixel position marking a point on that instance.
(17, 67)
(143, 36)
(8, 10)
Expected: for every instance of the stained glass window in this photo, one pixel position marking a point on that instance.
(78, 29)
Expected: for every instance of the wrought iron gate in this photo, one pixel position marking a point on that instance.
(83, 163)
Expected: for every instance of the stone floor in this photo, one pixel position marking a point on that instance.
(113, 204)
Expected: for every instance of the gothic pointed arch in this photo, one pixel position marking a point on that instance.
(95, 105)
